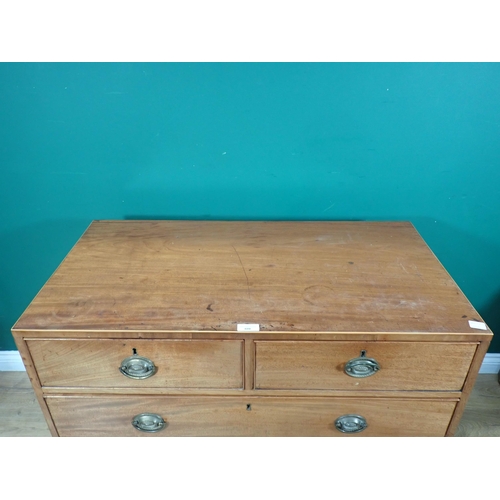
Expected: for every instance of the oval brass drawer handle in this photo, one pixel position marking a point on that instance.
(148, 422)
(137, 367)
(361, 367)
(351, 424)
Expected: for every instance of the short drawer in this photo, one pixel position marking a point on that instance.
(320, 365)
(248, 416)
(177, 363)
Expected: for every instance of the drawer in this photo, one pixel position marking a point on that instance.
(178, 363)
(250, 416)
(307, 365)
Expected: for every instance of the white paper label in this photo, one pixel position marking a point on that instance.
(477, 324)
(248, 327)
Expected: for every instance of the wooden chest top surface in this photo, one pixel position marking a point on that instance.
(284, 276)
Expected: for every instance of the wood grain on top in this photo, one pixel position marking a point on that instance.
(284, 276)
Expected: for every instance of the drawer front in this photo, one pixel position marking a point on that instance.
(179, 363)
(252, 416)
(403, 365)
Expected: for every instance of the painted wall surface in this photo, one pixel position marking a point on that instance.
(418, 142)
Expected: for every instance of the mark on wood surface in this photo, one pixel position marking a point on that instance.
(209, 308)
(243, 267)
(319, 295)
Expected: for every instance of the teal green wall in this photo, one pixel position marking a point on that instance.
(418, 142)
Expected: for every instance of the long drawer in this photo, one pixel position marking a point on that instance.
(251, 416)
(176, 363)
(310, 365)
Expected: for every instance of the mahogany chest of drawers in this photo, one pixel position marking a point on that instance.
(204, 328)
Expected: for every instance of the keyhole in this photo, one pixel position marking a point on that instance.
(249, 407)
(363, 354)
(134, 351)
